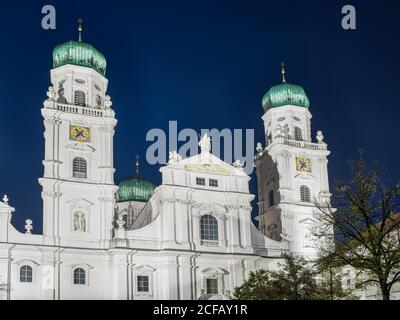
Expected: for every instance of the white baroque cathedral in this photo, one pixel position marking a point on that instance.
(192, 237)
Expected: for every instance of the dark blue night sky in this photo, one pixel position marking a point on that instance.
(205, 64)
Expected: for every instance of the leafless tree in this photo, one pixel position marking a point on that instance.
(366, 224)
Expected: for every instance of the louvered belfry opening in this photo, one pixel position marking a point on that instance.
(79, 167)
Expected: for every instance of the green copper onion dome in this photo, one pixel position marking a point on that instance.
(79, 53)
(135, 188)
(285, 94)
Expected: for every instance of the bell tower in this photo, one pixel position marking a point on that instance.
(78, 181)
(291, 170)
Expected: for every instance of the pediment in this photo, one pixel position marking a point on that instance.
(27, 262)
(210, 208)
(305, 176)
(81, 265)
(85, 147)
(144, 267)
(207, 168)
(212, 270)
(206, 163)
(80, 202)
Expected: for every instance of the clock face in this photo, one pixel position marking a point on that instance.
(303, 164)
(78, 133)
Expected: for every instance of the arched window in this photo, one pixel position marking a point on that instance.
(79, 168)
(209, 228)
(298, 134)
(25, 274)
(271, 199)
(80, 98)
(79, 276)
(305, 194)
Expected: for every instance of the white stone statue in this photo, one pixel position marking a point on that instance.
(28, 226)
(238, 165)
(174, 157)
(205, 143)
(61, 92)
(285, 131)
(320, 137)
(309, 240)
(79, 222)
(108, 102)
(282, 131)
(99, 102)
(259, 148)
(5, 199)
(120, 221)
(51, 94)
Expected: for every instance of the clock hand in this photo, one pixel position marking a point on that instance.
(79, 134)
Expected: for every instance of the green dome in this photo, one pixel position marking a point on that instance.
(285, 94)
(80, 54)
(135, 189)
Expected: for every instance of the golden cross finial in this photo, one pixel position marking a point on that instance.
(283, 73)
(80, 28)
(137, 164)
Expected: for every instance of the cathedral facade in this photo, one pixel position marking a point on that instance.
(192, 237)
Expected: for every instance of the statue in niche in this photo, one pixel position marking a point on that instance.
(282, 131)
(285, 131)
(61, 91)
(99, 102)
(79, 222)
(309, 240)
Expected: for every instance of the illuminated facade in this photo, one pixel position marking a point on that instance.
(192, 237)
